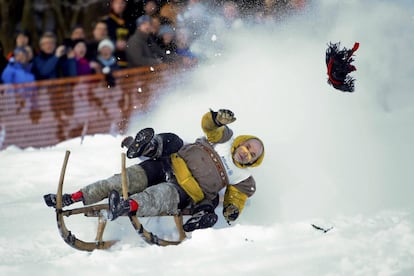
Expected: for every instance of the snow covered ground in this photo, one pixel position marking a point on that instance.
(332, 159)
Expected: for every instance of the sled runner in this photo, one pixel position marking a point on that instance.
(100, 211)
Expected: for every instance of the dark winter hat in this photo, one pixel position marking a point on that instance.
(142, 19)
(23, 32)
(76, 41)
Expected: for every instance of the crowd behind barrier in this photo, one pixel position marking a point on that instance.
(159, 31)
(47, 112)
(55, 90)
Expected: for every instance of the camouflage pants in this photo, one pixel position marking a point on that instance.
(156, 200)
(152, 201)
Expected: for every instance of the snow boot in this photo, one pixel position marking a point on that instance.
(137, 146)
(119, 207)
(67, 199)
(200, 220)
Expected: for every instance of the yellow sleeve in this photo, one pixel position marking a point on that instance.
(213, 132)
(185, 179)
(235, 197)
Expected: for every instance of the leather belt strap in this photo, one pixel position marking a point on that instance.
(219, 166)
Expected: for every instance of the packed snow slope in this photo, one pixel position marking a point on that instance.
(333, 159)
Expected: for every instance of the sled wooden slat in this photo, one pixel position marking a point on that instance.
(89, 211)
(148, 236)
(94, 211)
(101, 228)
(67, 236)
(100, 211)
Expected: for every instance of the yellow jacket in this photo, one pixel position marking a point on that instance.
(205, 167)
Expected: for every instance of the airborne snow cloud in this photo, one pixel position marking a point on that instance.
(327, 152)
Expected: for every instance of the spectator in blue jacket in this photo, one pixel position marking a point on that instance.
(53, 62)
(18, 70)
(106, 61)
(106, 56)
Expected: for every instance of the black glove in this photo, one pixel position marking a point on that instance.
(223, 117)
(230, 212)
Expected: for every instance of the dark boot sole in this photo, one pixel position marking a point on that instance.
(206, 221)
(143, 137)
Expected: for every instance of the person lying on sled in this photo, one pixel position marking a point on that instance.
(176, 175)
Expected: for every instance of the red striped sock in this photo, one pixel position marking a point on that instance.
(78, 196)
(133, 205)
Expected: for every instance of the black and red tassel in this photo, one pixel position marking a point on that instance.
(339, 65)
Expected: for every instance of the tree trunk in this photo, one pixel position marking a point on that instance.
(28, 22)
(6, 26)
(61, 27)
(75, 15)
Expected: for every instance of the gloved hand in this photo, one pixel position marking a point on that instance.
(223, 117)
(230, 212)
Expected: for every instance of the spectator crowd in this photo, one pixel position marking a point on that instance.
(163, 33)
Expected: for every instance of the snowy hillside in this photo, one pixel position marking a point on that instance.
(332, 159)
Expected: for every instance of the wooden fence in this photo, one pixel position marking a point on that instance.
(47, 112)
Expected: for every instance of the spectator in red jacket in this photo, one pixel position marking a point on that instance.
(82, 64)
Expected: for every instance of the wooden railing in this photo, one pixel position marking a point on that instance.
(47, 112)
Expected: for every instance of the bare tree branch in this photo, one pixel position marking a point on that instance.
(37, 16)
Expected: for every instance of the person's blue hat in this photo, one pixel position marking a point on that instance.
(166, 29)
(19, 50)
(143, 19)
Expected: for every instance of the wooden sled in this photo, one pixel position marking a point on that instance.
(100, 211)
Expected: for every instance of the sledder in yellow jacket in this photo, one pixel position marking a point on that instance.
(176, 175)
(219, 160)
